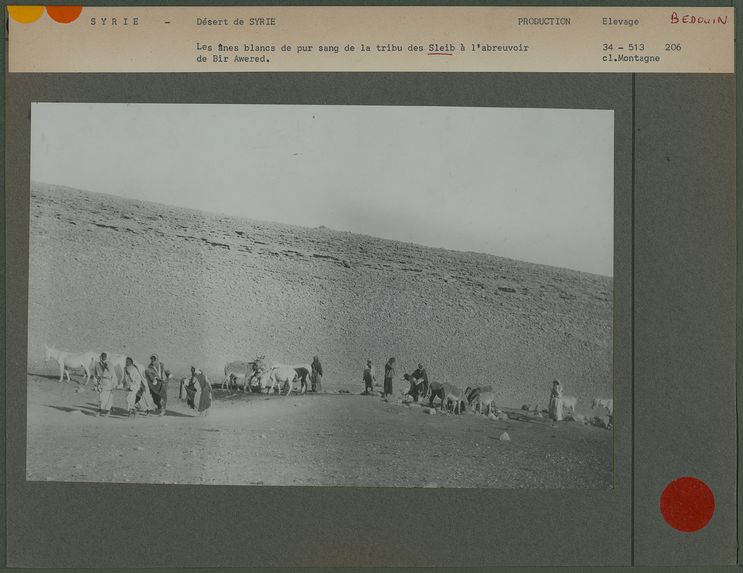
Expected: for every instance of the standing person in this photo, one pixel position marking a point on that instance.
(144, 400)
(368, 377)
(389, 374)
(105, 384)
(555, 408)
(156, 380)
(166, 383)
(316, 375)
(191, 390)
(133, 383)
(199, 392)
(420, 378)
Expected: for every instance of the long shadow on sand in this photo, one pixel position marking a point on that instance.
(170, 413)
(82, 409)
(91, 409)
(523, 418)
(47, 376)
(121, 413)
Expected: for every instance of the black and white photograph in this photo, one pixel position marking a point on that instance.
(321, 295)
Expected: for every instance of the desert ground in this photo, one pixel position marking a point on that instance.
(317, 439)
(132, 277)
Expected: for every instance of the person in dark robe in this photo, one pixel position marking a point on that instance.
(157, 383)
(190, 389)
(413, 388)
(199, 391)
(316, 375)
(420, 377)
(368, 377)
(389, 374)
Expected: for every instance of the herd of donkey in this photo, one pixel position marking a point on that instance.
(257, 375)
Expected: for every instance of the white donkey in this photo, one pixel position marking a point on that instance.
(280, 375)
(72, 361)
(569, 403)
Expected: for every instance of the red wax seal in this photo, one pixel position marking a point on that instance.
(687, 504)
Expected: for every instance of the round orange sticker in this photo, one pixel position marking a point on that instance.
(25, 14)
(64, 14)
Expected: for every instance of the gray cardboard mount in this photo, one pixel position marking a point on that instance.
(684, 310)
(674, 357)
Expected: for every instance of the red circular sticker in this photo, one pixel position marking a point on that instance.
(687, 504)
(64, 14)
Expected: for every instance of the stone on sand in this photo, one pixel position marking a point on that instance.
(504, 437)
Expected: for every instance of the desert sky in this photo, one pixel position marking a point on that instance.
(529, 184)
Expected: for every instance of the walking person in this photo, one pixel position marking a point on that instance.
(157, 383)
(369, 378)
(167, 381)
(193, 389)
(316, 375)
(144, 401)
(555, 407)
(389, 374)
(133, 383)
(190, 389)
(105, 384)
(199, 391)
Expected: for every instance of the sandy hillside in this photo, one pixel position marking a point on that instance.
(136, 277)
